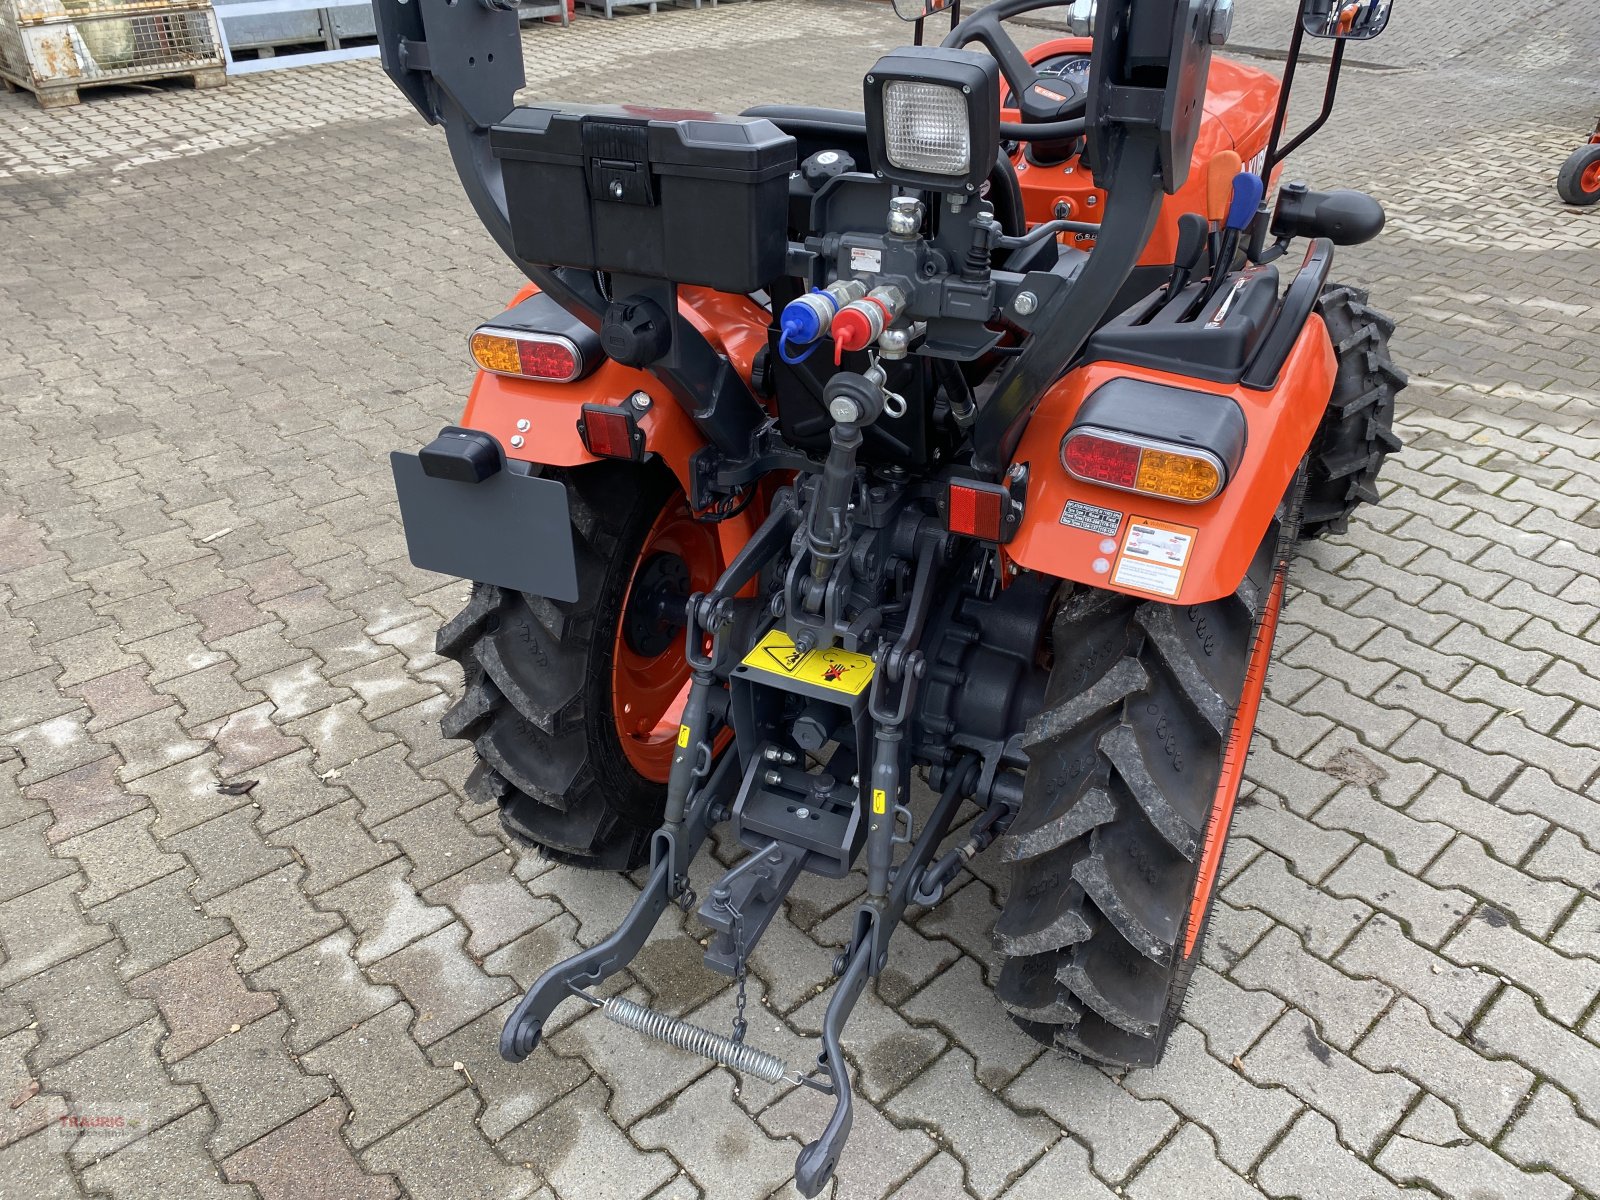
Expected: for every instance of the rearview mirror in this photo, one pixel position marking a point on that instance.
(1356, 20)
(916, 10)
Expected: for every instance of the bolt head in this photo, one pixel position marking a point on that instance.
(516, 441)
(1026, 304)
(522, 425)
(844, 410)
(616, 189)
(641, 401)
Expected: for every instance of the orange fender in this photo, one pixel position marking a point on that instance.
(1215, 540)
(498, 404)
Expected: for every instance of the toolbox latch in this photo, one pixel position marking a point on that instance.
(619, 162)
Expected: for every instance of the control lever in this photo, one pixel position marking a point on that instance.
(1247, 191)
(1192, 231)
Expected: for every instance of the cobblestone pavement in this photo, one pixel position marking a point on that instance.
(218, 313)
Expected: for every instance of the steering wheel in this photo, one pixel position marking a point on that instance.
(1051, 111)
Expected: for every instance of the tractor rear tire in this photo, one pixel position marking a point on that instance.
(1357, 432)
(1135, 764)
(541, 678)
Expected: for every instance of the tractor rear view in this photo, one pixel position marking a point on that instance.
(965, 437)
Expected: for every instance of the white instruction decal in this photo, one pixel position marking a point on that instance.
(1104, 521)
(1154, 556)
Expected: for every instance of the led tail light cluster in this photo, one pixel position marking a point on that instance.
(1144, 465)
(549, 357)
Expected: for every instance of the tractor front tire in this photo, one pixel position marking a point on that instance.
(1135, 765)
(540, 703)
(1357, 432)
(1579, 180)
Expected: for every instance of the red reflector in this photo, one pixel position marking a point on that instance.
(976, 512)
(1101, 460)
(609, 432)
(548, 360)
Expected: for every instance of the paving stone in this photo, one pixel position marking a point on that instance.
(1565, 986)
(172, 1161)
(1230, 1017)
(200, 996)
(120, 1077)
(1452, 994)
(1364, 1105)
(185, 795)
(1412, 839)
(306, 1159)
(670, 966)
(887, 1049)
(120, 857)
(1230, 933)
(55, 747)
(438, 844)
(1062, 1174)
(1508, 835)
(118, 697)
(575, 1146)
(228, 851)
(938, 1179)
(36, 1169)
(251, 1083)
(1533, 791)
(1535, 904)
(494, 905)
(158, 922)
(84, 799)
(386, 785)
(209, 694)
(447, 988)
(29, 863)
(1563, 856)
(1464, 1169)
(273, 916)
(1580, 932)
(1428, 913)
(1482, 1091)
(383, 1075)
(247, 740)
(1244, 1120)
(958, 1002)
(1323, 921)
(1513, 1027)
(1549, 1133)
(225, 613)
(1119, 1128)
(334, 844)
(993, 1143)
(323, 989)
(27, 1109)
(877, 1156)
(1311, 850)
(1188, 1166)
(80, 1003)
(385, 911)
(339, 735)
(511, 1092)
(1310, 1164)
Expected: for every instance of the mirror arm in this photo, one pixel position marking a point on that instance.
(1275, 155)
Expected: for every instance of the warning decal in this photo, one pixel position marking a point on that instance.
(836, 670)
(1154, 556)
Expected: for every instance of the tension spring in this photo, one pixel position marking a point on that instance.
(685, 1036)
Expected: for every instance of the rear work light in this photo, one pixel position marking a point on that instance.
(526, 355)
(1145, 465)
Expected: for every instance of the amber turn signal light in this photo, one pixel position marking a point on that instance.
(526, 355)
(1143, 465)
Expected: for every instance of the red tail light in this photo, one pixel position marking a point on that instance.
(526, 355)
(978, 510)
(1133, 463)
(609, 432)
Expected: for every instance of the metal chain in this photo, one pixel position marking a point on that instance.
(740, 974)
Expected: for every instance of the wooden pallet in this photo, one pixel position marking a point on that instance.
(65, 95)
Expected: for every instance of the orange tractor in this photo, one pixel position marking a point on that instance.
(966, 436)
(1579, 180)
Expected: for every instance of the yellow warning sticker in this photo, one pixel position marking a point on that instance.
(836, 670)
(683, 737)
(880, 801)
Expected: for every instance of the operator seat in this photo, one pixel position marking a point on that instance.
(816, 129)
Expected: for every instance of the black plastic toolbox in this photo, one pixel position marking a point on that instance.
(694, 198)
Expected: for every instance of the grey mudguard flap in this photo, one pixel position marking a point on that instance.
(512, 529)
